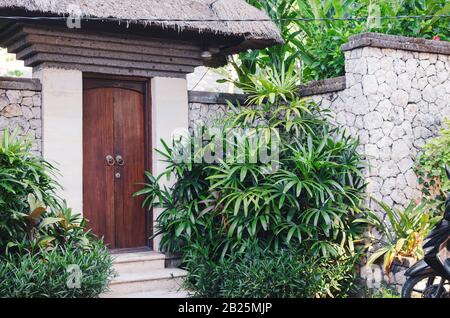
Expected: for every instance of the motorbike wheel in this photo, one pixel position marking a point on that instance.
(422, 287)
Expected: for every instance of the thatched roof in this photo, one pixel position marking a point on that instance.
(168, 13)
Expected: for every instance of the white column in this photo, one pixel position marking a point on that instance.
(62, 131)
(170, 113)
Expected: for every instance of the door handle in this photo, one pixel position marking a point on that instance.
(110, 160)
(119, 160)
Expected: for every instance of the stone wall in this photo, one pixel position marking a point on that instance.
(20, 107)
(206, 105)
(394, 101)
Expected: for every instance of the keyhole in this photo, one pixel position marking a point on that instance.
(118, 175)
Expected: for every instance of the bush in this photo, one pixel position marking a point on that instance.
(308, 195)
(430, 168)
(384, 291)
(21, 173)
(403, 232)
(287, 273)
(46, 274)
(317, 44)
(312, 196)
(40, 237)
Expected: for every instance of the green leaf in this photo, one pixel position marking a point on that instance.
(49, 221)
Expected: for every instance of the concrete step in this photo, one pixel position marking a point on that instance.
(153, 294)
(138, 262)
(168, 279)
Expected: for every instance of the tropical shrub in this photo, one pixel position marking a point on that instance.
(21, 173)
(317, 43)
(309, 194)
(402, 233)
(430, 168)
(430, 24)
(385, 291)
(312, 196)
(39, 234)
(48, 274)
(287, 273)
(280, 11)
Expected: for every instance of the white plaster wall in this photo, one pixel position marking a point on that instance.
(170, 113)
(62, 129)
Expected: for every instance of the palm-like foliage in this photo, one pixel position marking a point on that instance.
(21, 173)
(39, 235)
(232, 205)
(31, 214)
(280, 11)
(315, 43)
(402, 232)
(430, 167)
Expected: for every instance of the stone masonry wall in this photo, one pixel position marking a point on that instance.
(20, 107)
(201, 113)
(394, 96)
(394, 101)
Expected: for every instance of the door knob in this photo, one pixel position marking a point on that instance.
(110, 160)
(119, 160)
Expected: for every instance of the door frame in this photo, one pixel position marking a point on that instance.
(141, 84)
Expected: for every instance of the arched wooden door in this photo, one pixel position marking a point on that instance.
(114, 160)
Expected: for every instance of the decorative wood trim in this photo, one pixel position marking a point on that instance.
(102, 53)
(108, 70)
(149, 155)
(93, 83)
(104, 36)
(39, 58)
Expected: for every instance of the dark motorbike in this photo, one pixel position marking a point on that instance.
(430, 277)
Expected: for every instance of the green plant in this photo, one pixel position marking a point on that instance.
(15, 73)
(385, 291)
(248, 63)
(319, 42)
(286, 273)
(430, 167)
(21, 173)
(430, 26)
(402, 233)
(272, 85)
(40, 237)
(316, 44)
(46, 274)
(230, 205)
(307, 193)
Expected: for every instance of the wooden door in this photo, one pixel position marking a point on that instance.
(114, 138)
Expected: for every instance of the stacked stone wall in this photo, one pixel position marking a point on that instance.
(20, 108)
